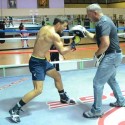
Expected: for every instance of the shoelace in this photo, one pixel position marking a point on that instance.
(18, 111)
(67, 98)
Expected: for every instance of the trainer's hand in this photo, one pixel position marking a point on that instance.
(78, 30)
(98, 59)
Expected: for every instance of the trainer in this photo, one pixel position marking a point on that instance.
(108, 48)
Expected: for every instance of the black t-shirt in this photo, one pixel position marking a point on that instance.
(106, 27)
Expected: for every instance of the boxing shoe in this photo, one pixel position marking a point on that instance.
(14, 112)
(65, 99)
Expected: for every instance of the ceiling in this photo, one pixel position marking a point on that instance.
(92, 1)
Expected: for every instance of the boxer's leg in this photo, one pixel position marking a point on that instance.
(59, 85)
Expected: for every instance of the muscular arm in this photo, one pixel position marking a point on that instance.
(90, 35)
(103, 46)
(59, 45)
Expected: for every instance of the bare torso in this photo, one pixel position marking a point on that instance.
(44, 41)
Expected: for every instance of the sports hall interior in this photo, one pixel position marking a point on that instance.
(14, 58)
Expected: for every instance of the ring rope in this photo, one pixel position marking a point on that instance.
(35, 31)
(32, 38)
(28, 52)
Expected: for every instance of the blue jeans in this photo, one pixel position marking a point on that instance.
(106, 73)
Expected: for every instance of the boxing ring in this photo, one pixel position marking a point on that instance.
(75, 65)
(46, 109)
(77, 76)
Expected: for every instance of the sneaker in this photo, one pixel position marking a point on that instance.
(66, 99)
(15, 115)
(116, 104)
(90, 114)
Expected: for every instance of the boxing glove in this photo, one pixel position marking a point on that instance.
(98, 59)
(78, 30)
